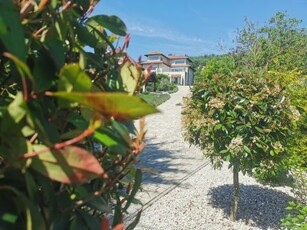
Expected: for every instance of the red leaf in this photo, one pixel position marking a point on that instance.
(104, 225)
(119, 227)
(68, 165)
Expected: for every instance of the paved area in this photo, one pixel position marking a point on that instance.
(169, 158)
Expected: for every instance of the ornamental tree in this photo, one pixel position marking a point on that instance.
(67, 105)
(240, 118)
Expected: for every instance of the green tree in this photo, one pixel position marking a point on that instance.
(67, 140)
(279, 46)
(240, 118)
(242, 98)
(207, 65)
(280, 49)
(164, 84)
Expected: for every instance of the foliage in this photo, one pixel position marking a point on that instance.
(67, 140)
(249, 107)
(199, 62)
(164, 84)
(279, 46)
(300, 185)
(240, 118)
(212, 64)
(298, 218)
(155, 98)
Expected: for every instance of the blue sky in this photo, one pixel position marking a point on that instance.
(193, 27)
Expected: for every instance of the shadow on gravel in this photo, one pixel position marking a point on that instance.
(157, 161)
(258, 206)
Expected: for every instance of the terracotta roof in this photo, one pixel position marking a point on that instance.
(154, 53)
(168, 56)
(177, 57)
(172, 57)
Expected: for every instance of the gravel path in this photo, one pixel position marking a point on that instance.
(186, 193)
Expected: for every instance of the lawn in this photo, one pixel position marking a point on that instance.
(155, 99)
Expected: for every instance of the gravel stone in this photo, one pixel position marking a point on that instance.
(185, 192)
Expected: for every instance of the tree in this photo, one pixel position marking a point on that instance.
(67, 140)
(244, 109)
(206, 65)
(240, 118)
(279, 46)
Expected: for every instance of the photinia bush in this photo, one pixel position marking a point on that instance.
(241, 118)
(67, 105)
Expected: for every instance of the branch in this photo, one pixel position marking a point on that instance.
(60, 145)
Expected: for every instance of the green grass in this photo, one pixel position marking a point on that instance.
(155, 99)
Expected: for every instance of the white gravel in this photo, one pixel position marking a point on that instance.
(186, 193)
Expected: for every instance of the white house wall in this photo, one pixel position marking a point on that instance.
(181, 72)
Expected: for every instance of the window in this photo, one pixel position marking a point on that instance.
(153, 58)
(177, 70)
(154, 68)
(179, 62)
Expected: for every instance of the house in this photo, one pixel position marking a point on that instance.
(177, 67)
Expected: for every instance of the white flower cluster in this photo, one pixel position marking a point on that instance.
(278, 146)
(216, 103)
(295, 113)
(236, 144)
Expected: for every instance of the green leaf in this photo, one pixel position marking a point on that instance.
(43, 72)
(109, 138)
(218, 126)
(85, 36)
(8, 217)
(17, 108)
(22, 67)
(112, 23)
(73, 78)
(56, 51)
(259, 130)
(123, 132)
(247, 149)
(34, 219)
(100, 204)
(136, 187)
(118, 105)
(130, 76)
(68, 165)
(224, 151)
(90, 220)
(272, 153)
(31, 187)
(11, 31)
(77, 223)
(228, 157)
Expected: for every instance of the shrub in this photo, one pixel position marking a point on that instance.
(67, 141)
(241, 118)
(165, 85)
(297, 220)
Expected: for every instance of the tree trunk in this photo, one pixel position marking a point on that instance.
(235, 195)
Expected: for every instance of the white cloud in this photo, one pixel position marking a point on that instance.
(156, 31)
(168, 40)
